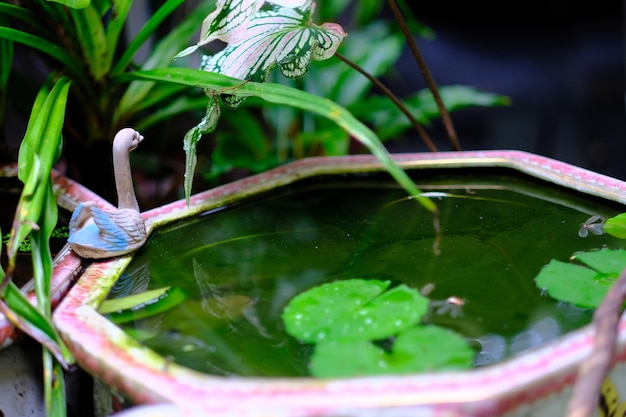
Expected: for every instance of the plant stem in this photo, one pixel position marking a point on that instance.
(593, 371)
(432, 86)
(420, 130)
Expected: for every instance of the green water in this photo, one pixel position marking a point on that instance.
(240, 266)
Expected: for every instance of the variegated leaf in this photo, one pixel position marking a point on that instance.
(284, 37)
(229, 21)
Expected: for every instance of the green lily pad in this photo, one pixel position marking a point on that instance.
(430, 348)
(418, 349)
(353, 310)
(309, 315)
(582, 285)
(384, 316)
(347, 359)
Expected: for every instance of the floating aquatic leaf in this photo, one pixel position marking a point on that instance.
(582, 285)
(430, 348)
(383, 317)
(346, 318)
(418, 349)
(616, 226)
(310, 315)
(606, 261)
(347, 359)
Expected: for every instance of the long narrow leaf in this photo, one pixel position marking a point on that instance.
(161, 56)
(90, 32)
(74, 4)
(20, 13)
(54, 386)
(151, 25)
(54, 51)
(115, 27)
(28, 319)
(38, 153)
(40, 250)
(280, 94)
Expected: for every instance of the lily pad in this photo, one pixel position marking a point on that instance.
(582, 285)
(384, 316)
(309, 315)
(418, 349)
(353, 310)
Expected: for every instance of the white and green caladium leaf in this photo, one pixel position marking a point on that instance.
(230, 19)
(283, 36)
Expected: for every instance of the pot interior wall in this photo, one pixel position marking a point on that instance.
(239, 266)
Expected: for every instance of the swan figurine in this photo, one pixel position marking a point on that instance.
(96, 233)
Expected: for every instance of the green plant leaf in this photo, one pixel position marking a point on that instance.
(142, 305)
(244, 146)
(418, 349)
(384, 316)
(349, 87)
(347, 359)
(139, 95)
(54, 386)
(73, 4)
(606, 261)
(430, 348)
(144, 34)
(280, 94)
(39, 151)
(582, 285)
(44, 46)
(30, 320)
(310, 315)
(94, 43)
(37, 214)
(389, 121)
(616, 226)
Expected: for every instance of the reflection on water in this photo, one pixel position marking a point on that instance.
(240, 266)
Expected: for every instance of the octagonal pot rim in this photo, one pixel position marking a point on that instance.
(105, 351)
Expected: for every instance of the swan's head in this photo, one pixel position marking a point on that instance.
(127, 139)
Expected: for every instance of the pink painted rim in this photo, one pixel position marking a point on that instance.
(66, 264)
(105, 351)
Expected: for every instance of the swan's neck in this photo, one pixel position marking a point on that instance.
(123, 180)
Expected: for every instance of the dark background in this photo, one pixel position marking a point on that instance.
(561, 65)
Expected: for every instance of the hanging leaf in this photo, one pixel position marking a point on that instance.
(190, 141)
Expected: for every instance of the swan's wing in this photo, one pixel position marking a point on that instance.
(81, 214)
(119, 228)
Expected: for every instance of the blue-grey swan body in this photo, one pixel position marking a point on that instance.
(96, 233)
